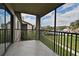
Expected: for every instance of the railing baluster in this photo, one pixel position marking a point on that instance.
(58, 42)
(61, 44)
(75, 44)
(0, 36)
(71, 46)
(54, 41)
(64, 45)
(67, 45)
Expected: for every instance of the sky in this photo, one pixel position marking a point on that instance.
(29, 18)
(66, 14)
(2, 16)
(48, 19)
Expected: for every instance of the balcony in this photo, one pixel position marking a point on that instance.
(65, 44)
(41, 34)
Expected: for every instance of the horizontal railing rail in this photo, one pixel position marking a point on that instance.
(62, 32)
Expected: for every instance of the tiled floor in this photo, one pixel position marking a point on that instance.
(29, 48)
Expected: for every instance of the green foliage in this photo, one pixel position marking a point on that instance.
(49, 28)
(75, 24)
(61, 27)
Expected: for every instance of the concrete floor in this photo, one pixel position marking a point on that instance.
(29, 48)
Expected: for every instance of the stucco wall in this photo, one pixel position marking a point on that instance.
(17, 31)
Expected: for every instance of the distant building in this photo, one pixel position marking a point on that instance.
(76, 30)
(67, 30)
(2, 26)
(26, 25)
(7, 26)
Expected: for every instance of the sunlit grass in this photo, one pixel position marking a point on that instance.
(49, 41)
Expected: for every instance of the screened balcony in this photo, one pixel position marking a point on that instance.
(39, 29)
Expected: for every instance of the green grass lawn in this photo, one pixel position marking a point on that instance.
(49, 41)
(5, 36)
(1, 36)
(28, 35)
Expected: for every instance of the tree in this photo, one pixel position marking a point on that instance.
(77, 24)
(74, 25)
(61, 27)
(49, 28)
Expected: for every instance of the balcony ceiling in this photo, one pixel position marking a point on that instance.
(35, 8)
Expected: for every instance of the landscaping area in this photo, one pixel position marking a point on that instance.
(49, 41)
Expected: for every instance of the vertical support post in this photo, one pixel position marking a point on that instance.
(32, 28)
(5, 30)
(14, 28)
(38, 27)
(17, 17)
(54, 28)
(21, 31)
(25, 30)
(12, 23)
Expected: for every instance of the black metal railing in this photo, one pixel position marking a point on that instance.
(28, 34)
(64, 43)
(5, 40)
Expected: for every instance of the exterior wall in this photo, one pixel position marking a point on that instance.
(17, 30)
(16, 33)
(24, 26)
(29, 26)
(8, 26)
